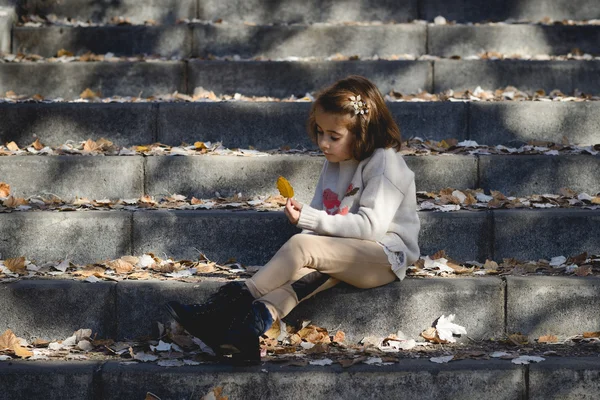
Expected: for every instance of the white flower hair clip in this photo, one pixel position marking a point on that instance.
(360, 107)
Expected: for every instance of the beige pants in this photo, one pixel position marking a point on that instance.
(307, 264)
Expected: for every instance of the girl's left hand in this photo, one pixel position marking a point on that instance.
(292, 210)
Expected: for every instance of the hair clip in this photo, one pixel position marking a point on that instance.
(360, 107)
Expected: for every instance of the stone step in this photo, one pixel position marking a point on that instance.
(244, 124)
(282, 79)
(280, 41)
(488, 307)
(256, 11)
(90, 236)
(126, 177)
(560, 377)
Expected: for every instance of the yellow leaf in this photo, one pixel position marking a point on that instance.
(595, 200)
(37, 144)
(63, 52)
(141, 149)
(12, 146)
(200, 146)
(88, 94)
(285, 188)
(16, 265)
(4, 189)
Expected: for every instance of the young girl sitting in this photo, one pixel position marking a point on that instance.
(361, 226)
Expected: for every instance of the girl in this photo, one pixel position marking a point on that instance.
(361, 226)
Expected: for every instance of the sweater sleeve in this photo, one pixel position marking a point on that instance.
(377, 206)
(317, 200)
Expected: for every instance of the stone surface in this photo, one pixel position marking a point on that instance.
(55, 124)
(162, 11)
(54, 309)
(570, 379)
(410, 306)
(516, 123)
(281, 41)
(81, 237)
(56, 380)
(565, 76)
(69, 80)
(562, 306)
(501, 10)
(282, 79)
(539, 174)
(534, 234)
(464, 235)
(411, 379)
(167, 41)
(462, 40)
(68, 177)
(250, 237)
(260, 12)
(436, 173)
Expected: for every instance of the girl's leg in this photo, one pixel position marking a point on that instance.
(284, 281)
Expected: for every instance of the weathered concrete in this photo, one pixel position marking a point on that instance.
(252, 176)
(94, 177)
(55, 380)
(534, 234)
(81, 237)
(464, 235)
(280, 41)
(539, 174)
(565, 379)
(565, 76)
(282, 79)
(247, 236)
(552, 305)
(260, 12)
(54, 309)
(162, 11)
(477, 302)
(55, 124)
(451, 40)
(69, 80)
(501, 10)
(436, 173)
(411, 379)
(167, 41)
(516, 123)
(7, 18)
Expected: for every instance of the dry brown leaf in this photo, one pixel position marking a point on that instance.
(14, 202)
(16, 265)
(319, 348)
(120, 266)
(91, 146)
(547, 339)
(595, 200)
(431, 335)
(4, 189)
(142, 149)
(491, 265)
(88, 94)
(591, 334)
(583, 270)
(518, 339)
(339, 337)
(352, 361)
(9, 341)
(37, 144)
(12, 146)
(200, 146)
(274, 330)
(63, 52)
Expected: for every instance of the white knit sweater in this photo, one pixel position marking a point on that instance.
(374, 199)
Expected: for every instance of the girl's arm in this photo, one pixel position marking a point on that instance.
(377, 207)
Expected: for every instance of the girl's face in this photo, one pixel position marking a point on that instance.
(333, 138)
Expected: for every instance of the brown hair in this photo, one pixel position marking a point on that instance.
(372, 130)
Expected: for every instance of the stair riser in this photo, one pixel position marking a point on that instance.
(200, 40)
(127, 177)
(282, 79)
(270, 125)
(92, 236)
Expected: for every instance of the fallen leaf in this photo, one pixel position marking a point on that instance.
(37, 144)
(88, 94)
(65, 53)
(9, 341)
(583, 270)
(548, 339)
(120, 266)
(518, 339)
(4, 189)
(591, 334)
(285, 188)
(12, 146)
(16, 265)
(339, 337)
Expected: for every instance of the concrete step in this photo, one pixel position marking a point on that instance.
(314, 11)
(161, 11)
(555, 378)
(90, 236)
(280, 41)
(282, 79)
(125, 177)
(244, 124)
(488, 307)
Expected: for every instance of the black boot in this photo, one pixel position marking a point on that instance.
(210, 320)
(246, 328)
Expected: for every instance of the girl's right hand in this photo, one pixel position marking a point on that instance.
(292, 210)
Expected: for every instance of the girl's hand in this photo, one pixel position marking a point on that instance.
(292, 210)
